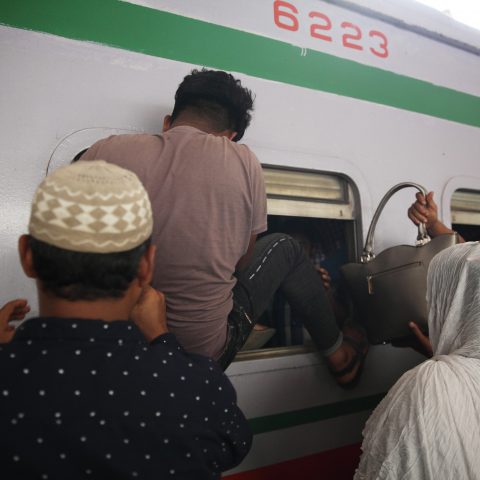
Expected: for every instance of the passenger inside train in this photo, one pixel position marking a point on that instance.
(84, 391)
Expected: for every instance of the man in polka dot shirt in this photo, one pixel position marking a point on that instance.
(96, 388)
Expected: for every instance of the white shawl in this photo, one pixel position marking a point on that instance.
(428, 425)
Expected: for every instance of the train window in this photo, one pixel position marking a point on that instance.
(320, 211)
(465, 207)
(78, 156)
(71, 147)
(307, 194)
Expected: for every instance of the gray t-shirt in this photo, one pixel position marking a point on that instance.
(208, 198)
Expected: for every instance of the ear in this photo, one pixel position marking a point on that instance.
(26, 257)
(167, 123)
(225, 133)
(147, 264)
(231, 135)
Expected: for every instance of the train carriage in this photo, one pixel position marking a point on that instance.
(351, 98)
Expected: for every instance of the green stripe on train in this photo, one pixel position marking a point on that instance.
(162, 34)
(279, 421)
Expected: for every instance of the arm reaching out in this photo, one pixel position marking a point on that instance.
(424, 345)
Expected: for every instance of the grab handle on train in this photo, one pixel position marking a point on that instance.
(422, 237)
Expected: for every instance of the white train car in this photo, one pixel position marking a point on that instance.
(351, 98)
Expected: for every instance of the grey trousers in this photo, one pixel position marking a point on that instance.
(279, 263)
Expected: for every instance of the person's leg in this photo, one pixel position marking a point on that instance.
(278, 262)
(239, 327)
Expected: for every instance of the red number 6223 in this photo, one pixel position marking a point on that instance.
(285, 16)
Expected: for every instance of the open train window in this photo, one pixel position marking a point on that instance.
(320, 211)
(74, 145)
(465, 207)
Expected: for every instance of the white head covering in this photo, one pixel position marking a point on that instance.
(453, 295)
(428, 426)
(92, 207)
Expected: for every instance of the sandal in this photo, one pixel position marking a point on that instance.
(357, 362)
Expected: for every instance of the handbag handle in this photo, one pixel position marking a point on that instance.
(422, 237)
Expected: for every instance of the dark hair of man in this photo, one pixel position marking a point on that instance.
(85, 276)
(78, 156)
(218, 98)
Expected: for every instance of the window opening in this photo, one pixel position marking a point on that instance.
(319, 211)
(465, 208)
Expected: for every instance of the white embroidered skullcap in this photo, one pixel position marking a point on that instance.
(91, 206)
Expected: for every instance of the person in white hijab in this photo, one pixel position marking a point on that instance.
(428, 425)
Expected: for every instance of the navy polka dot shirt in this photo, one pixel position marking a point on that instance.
(88, 399)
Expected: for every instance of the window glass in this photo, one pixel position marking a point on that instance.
(465, 207)
(308, 194)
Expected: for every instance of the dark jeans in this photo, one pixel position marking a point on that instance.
(279, 262)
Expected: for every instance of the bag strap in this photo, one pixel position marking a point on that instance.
(422, 237)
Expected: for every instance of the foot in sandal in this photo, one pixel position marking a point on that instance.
(346, 363)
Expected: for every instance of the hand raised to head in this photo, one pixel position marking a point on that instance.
(149, 313)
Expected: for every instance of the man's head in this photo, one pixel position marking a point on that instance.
(89, 232)
(214, 99)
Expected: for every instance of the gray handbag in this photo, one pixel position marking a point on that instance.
(389, 290)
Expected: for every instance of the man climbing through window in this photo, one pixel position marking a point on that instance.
(209, 205)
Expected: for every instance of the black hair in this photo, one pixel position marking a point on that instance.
(85, 276)
(78, 156)
(218, 97)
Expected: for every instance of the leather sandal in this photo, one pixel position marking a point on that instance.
(357, 361)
